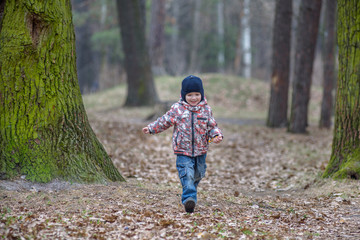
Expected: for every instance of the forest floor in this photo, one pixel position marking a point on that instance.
(260, 183)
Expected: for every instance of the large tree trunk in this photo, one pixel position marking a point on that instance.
(345, 157)
(157, 37)
(278, 106)
(304, 57)
(329, 64)
(44, 130)
(141, 87)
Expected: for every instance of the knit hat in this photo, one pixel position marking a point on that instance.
(192, 84)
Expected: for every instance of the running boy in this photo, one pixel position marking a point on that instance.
(194, 128)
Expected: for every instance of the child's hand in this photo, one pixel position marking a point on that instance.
(146, 130)
(217, 139)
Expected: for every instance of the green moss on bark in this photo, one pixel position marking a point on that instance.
(345, 157)
(44, 130)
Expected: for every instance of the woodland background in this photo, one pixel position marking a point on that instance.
(261, 183)
(209, 36)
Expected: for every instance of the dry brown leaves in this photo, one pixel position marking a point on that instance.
(260, 184)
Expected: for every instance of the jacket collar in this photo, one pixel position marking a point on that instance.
(193, 108)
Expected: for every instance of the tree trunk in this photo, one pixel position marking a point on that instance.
(220, 32)
(304, 56)
(278, 106)
(246, 40)
(345, 157)
(194, 55)
(329, 64)
(157, 37)
(86, 68)
(238, 48)
(141, 87)
(45, 133)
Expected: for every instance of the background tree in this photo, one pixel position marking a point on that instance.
(195, 40)
(345, 160)
(304, 57)
(278, 105)
(141, 88)
(44, 131)
(157, 37)
(329, 64)
(86, 61)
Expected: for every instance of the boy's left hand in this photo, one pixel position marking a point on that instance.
(217, 139)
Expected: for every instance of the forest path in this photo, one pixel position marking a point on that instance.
(260, 183)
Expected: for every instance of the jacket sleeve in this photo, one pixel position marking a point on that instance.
(212, 126)
(164, 122)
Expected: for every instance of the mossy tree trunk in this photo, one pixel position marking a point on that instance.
(141, 87)
(44, 130)
(345, 157)
(278, 106)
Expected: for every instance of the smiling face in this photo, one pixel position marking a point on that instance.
(193, 98)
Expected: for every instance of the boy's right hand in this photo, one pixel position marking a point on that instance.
(146, 130)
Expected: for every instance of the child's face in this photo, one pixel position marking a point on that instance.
(193, 98)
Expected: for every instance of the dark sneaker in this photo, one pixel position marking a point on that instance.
(189, 206)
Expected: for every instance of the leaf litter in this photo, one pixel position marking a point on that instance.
(260, 183)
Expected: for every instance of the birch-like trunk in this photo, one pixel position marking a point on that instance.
(246, 39)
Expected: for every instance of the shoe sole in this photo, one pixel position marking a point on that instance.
(189, 206)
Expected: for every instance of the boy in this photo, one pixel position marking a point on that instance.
(194, 128)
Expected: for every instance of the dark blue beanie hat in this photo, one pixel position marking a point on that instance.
(191, 84)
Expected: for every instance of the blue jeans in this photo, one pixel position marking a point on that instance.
(191, 170)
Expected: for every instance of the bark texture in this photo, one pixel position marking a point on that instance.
(345, 157)
(329, 64)
(306, 37)
(157, 37)
(278, 106)
(44, 130)
(141, 87)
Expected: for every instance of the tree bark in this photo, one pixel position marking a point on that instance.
(221, 33)
(304, 57)
(157, 37)
(345, 157)
(141, 87)
(278, 106)
(329, 64)
(246, 40)
(195, 40)
(45, 133)
(86, 67)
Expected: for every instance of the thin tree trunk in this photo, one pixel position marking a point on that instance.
(246, 40)
(157, 37)
(45, 133)
(220, 32)
(238, 49)
(329, 64)
(194, 55)
(87, 69)
(345, 157)
(141, 87)
(304, 57)
(278, 106)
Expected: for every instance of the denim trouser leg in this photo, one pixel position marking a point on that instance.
(191, 170)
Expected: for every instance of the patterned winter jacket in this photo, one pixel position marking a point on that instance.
(193, 127)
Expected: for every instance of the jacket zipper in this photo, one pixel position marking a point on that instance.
(192, 131)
